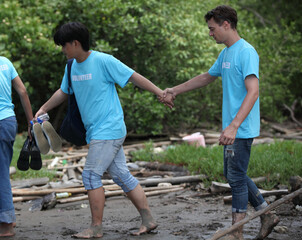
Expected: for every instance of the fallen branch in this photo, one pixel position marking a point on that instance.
(228, 199)
(281, 129)
(292, 114)
(29, 192)
(153, 193)
(41, 192)
(121, 192)
(270, 207)
(173, 180)
(27, 198)
(107, 188)
(218, 187)
(29, 182)
(66, 166)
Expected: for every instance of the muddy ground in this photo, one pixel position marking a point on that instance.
(178, 216)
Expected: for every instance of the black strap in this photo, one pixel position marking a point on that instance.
(69, 63)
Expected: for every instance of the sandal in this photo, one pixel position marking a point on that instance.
(23, 160)
(36, 160)
(40, 138)
(52, 136)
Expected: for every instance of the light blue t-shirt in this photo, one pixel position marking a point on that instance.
(7, 74)
(93, 83)
(234, 64)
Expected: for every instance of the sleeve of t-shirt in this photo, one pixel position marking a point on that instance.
(64, 83)
(215, 70)
(13, 71)
(250, 62)
(117, 71)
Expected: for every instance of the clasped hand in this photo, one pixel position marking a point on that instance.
(167, 98)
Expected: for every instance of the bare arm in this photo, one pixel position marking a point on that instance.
(146, 84)
(194, 83)
(21, 90)
(56, 99)
(229, 134)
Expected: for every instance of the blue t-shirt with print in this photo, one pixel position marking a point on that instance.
(7, 74)
(93, 83)
(234, 64)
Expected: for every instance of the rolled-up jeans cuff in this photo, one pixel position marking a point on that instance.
(261, 206)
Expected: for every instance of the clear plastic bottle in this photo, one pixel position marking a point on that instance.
(41, 118)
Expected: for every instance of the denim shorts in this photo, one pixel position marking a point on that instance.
(8, 131)
(107, 155)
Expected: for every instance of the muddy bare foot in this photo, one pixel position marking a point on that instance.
(6, 230)
(145, 229)
(148, 223)
(92, 232)
(268, 222)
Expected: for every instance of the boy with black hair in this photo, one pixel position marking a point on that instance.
(93, 76)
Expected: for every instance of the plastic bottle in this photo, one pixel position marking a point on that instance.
(63, 195)
(41, 118)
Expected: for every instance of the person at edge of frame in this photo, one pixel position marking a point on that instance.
(8, 129)
(238, 66)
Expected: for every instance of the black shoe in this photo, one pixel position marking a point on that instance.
(36, 160)
(23, 160)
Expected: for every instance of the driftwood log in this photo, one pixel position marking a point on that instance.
(228, 199)
(270, 207)
(148, 192)
(173, 180)
(292, 112)
(25, 183)
(26, 198)
(218, 187)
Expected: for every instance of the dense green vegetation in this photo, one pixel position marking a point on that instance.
(278, 161)
(166, 41)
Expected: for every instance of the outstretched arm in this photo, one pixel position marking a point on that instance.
(21, 90)
(229, 134)
(194, 83)
(146, 84)
(56, 99)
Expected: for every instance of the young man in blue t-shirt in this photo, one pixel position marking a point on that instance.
(238, 65)
(93, 78)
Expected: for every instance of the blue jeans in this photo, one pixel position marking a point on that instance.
(244, 190)
(107, 155)
(8, 131)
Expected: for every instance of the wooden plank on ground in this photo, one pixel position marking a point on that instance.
(173, 180)
(24, 183)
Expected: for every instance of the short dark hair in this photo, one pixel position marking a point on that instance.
(223, 13)
(72, 31)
